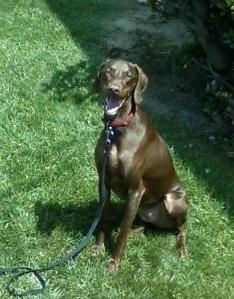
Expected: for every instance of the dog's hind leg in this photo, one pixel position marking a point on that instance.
(180, 242)
(176, 204)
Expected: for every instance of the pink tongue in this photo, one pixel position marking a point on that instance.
(112, 106)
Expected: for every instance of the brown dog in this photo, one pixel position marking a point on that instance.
(140, 168)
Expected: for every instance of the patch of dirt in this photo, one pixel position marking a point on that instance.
(149, 39)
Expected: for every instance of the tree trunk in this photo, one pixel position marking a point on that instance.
(196, 16)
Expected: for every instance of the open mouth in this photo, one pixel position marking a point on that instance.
(112, 107)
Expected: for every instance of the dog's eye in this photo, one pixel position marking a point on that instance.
(129, 78)
(106, 76)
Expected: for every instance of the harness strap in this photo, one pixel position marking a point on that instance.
(71, 255)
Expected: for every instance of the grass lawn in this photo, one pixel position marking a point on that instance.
(50, 120)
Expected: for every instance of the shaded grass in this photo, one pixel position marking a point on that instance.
(50, 120)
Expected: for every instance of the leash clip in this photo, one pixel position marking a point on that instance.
(110, 134)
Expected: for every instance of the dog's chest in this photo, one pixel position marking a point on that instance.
(120, 161)
(113, 157)
(117, 173)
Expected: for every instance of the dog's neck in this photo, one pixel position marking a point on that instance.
(125, 115)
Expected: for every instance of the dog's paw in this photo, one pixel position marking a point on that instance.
(97, 249)
(113, 264)
(183, 254)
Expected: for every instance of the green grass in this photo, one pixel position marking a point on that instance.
(50, 120)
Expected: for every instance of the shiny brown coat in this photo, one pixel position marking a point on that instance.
(140, 168)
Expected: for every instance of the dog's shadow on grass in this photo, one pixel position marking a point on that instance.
(73, 218)
(77, 219)
(74, 83)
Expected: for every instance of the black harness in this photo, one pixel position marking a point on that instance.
(71, 255)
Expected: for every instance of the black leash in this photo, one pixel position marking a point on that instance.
(22, 271)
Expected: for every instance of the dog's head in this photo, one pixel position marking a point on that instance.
(120, 81)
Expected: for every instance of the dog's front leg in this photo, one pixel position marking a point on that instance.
(102, 230)
(129, 216)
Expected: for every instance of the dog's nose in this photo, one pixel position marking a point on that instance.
(114, 89)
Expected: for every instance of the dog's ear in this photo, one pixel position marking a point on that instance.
(97, 81)
(141, 85)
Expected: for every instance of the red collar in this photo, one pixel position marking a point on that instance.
(116, 123)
